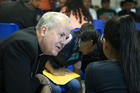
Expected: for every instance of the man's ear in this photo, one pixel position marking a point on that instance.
(43, 30)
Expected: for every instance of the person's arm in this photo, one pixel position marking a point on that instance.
(76, 69)
(17, 69)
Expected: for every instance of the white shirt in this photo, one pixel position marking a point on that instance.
(93, 13)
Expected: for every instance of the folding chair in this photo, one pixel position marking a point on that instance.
(7, 29)
(138, 26)
(99, 24)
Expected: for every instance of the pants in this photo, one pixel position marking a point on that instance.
(71, 87)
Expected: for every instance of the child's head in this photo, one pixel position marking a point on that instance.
(105, 4)
(89, 37)
(127, 5)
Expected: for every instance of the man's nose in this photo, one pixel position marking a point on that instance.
(63, 43)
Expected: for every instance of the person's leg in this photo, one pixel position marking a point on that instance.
(73, 86)
(55, 88)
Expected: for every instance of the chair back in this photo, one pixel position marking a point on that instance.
(98, 25)
(7, 28)
(138, 26)
(76, 29)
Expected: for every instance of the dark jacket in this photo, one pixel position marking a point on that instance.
(15, 12)
(19, 54)
(125, 12)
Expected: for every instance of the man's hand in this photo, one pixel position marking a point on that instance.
(43, 79)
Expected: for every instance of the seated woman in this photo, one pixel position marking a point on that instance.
(121, 72)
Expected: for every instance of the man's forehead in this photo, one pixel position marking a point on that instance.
(65, 29)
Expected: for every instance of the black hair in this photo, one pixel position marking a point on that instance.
(104, 1)
(77, 7)
(122, 35)
(126, 1)
(87, 32)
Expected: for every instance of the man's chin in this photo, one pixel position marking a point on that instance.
(55, 53)
(51, 53)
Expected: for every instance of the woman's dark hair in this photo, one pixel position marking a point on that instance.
(76, 6)
(122, 35)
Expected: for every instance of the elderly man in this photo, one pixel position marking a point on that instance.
(20, 53)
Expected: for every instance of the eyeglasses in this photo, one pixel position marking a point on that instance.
(102, 37)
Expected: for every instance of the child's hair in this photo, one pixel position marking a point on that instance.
(87, 32)
(122, 35)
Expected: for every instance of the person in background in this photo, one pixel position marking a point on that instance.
(126, 9)
(121, 72)
(45, 5)
(96, 7)
(34, 4)
(105, 12)
(121, 7)
(61, 4)
(77, 13)
(87, 4)
(2, 1)
(17, 12)
(138, 14)
(22, 52)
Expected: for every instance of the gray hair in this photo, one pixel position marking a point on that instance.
(51, 20)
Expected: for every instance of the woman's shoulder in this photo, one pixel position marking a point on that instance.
(103, 65)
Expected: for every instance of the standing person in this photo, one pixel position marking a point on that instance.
(121, 72)
(17, 12)
(105, 12)
(20, 53)
(77, 13)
